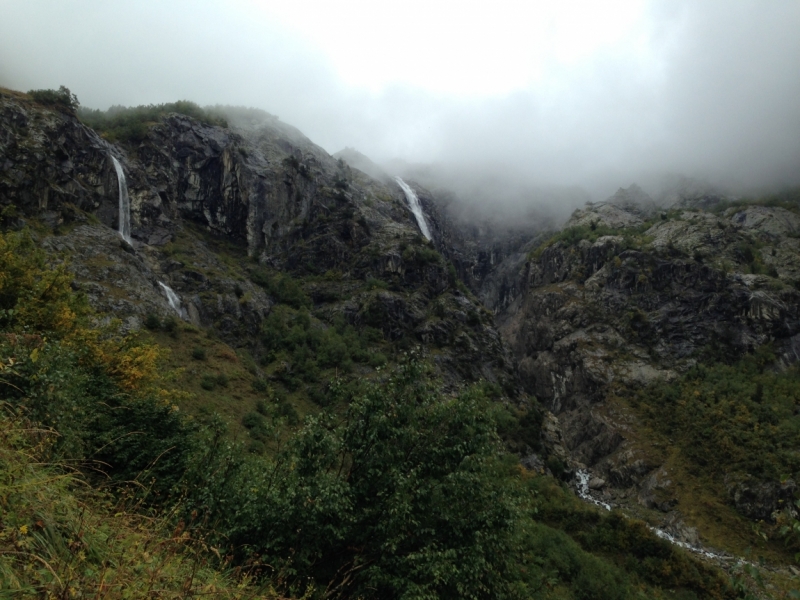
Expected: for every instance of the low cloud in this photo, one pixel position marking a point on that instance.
(707, 90)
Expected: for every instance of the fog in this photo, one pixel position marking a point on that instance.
(505, 99)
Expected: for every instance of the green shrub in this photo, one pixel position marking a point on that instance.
(631, 236)
(376, 359)
(198, 353)
(256, 447)
(61, 98)
(731, 418)
(124, 124)
(261, 385)
(287, 409)
(152, 321)
(401, 455)
(282, 287)
(421, 255)
(170, 325)
(208, 382)
(251, 420)
(556, 466)
(376, 284)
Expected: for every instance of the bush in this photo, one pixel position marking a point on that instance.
(208, 382)
(170, 325)
(421, 255)
(401, 455)
(198, 353)
(97, 388)
(62, 98)
(287, 409)
(50, 510)
(731, 418)
(631, 236)
(124, 124)
(376, 284)
(282, 287)
(261, 385)
(251, 420)
(152, 321)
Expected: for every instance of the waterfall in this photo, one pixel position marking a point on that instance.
(173, 299)
(124, 203)
(582, 484)
(415, 206)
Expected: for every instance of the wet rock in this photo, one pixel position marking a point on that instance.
(200, 193)
(674, 526)
(552, 438)
(593, 316)
(595, 483)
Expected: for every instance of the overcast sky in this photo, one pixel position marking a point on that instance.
(596, 94)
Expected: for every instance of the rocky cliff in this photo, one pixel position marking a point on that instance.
(211, 205)
(631, 295)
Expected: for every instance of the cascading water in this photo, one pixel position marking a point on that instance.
(582, 485)
(124, 203)
(415, 206)
(173, 299)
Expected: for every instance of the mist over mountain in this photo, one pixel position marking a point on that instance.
(539, 97)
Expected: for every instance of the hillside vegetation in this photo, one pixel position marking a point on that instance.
(107, 489)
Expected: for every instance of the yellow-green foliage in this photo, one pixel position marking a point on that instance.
(731, 418)
(99, 389)
(36, 299)
(61, 539)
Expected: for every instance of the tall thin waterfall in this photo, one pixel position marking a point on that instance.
(415, 206)
(173, 299)
(124, 203)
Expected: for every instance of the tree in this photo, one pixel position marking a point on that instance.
(399, 498)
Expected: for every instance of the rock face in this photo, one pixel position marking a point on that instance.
(266, 196)
(594, 313)
(616, 309)
(52, 166)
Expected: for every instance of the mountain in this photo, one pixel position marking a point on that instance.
(631, 307)
(301, 279)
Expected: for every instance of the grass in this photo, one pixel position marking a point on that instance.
(231, 401)
(701, 497)
(59, 538)
(788, 198)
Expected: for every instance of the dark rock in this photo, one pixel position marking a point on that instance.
(759, 499)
